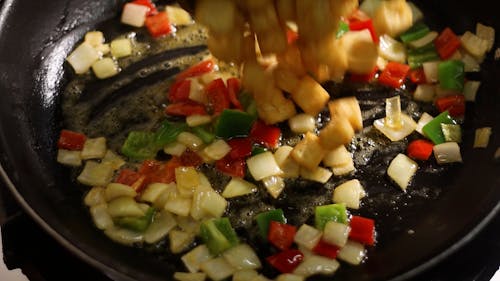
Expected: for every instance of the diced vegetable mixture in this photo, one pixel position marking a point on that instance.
(271, 123)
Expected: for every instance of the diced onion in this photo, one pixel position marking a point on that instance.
(350, 193)
(103, 49)
(196, 211)
(447, 152)
(162, 224)
(470, 63)
(336, 233)
(245, 275)
(179, 240)
(470, 90)
(288, 165)
(95, 196)
(217, 149)
(217, 269)
(94, 148)
(408, 126)
(319, 174)
(134, 14)
(314, 264)
(191, 276)
(194, 258)
(425, 92)
(163, 197)
(401, 170)
(274, 185)
(101, 217)
(178, 16)
(486, 33)
(197, 91)
(424, 119)
(344, 169)
(428, 38)
(124, 207)
(391, 49)
(69, 157)
(337, 157)
(187, 180)
(190, 140)
(431, 71)
(124, 236)
(113, 159)
(242, 256)
(174, 148)
(121, 47)
(238, 187)
(197, 120)
(496, 156)
(188, 224)
(178, 205)
(289, 277)
(393, 112)
(96, 174)
(213, 203)
(482, 137)
(475, 45)
(302, 123)
(94, 38)
(417, 14)
(115, 190)
(307, 236)
(105, 68)
(263, 165)
(82, 58)
(353, 252)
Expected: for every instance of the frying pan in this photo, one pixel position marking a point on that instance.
(36, 36)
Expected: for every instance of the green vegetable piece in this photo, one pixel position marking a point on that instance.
(168, 132)
(433, 129)
(416, 57)
(415, 32)
(203, 134)
(258, 150)
(452, 132)
(140, 145)
(248, 103)
(138, 224)
(451, 75)
(265, 218)
(233, 123)
(343, 28)
(332, 212)
(218, 235)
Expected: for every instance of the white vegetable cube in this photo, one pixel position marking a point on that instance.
(191, 276)
(242, 256)
(218, 268)
(82, 58)
(274, 185)
(174, 148)
(470, 90)
(187, 180)
(178, 16)
(289, 277)
(313, 265)
(105, 68)
(319, 174)
(178, 205)
(190, 140)
(482, 137)
(350, 193)
(113, 159)
(94, 196)
(115, 190)
(263, 165)
(336, 233)
(94, 148)
(396, 133)
(344, 169)
(307, 236)
(486, 33)
(447, 152)
(471, 64)
(391, 49)
(431, 71)
(245, 275)
(179, 240)
(124, 236)
(134, 14)
(159, 228)
(308, 152)
(217, 149)
(424, 119)
(337, 157)
(213, 204)
(425, 92)
(353, 252)
(121, 48)
(96, 174)
(302, 123)
(473, 44)
(401, 170)
(69, 157)
(94, 38)
(124, 207)
(238, 187)
(288, 165)
(101, 217)
(153, 191)
(197, 120)
(103, 49)
(194, 258)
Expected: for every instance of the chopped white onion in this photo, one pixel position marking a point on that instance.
(473, 44)
(336, 233)
(115, 190)
(217, 269)
(82, 58)
(391, 49)
(94, 148)
(263, 165)
(290, 168)
(245, 275)
(425, 92)
(319, 174)
(191, 276)
(482, 137)
(350, 193)
(194, 258)
(289, 277)
(302, 123)
(162, 224)
(101, 217)
(190, 140)
(179, 240)
(213, 203)
(197, 91)
(447, 152)
(105, 68)
(94, 38)
(401, 170)
(217, 149)
(424, 119)
(337, 157)
(197, 120)
(134, 14)
(344, 169)
(113, 159)
(238, 187)
(470, 90)
(124, 236)
(431, 71)
(471, 64)
(242, 256)
(96, 174)
(274, 185)
(307, 236)
(353, 252)
(408, 126)
(187, 180)
(69, 157)
(486, 33)
(178, 16)
(94, 196)
(121, 47)
(174, 148)
(178, 205)
(314, 264)
(428, 38)
(153, 191)
(124, 207)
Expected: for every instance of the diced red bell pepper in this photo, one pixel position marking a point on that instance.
(71, 140)
(362, 230)
(291, 36)
(185, 108)
(149, 4)
(394, 74)
(156, 171)
(264, 134)
(420, 149)
(158, 24)
(191, 158)
(196, 70)
(364, 78)
(417, 75)
(447, 43)
(286, 261)
(179, 91)
(127, 177)
(455, 104)
(240, 148)
(233, 88)
(281, 234)
(218, 96)
(232, 167)
(359, 20)
(326, 250)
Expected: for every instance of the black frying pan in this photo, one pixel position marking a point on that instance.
(36, 36)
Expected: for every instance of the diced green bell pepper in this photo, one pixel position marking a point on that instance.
(140, 145)
(233, 123)
(416, 57)
(138, 224)
(433, 129)
(248, 103)
(218, 235)
(258, 150)
(168, 132)
(343, 28)
(332, 212)
(452, 132)
(206, 136)
(265, 218)
(415, 32)
(451, 75)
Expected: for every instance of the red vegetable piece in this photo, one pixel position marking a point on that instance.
(394, 74)
(286, 261)
(264, 134)
(240, 148)
(196, 70)
(455, 104)
(362, 230)
(149, 4)
(232, 167)
(364, 78)
(71, 140)
(218, 96)
(156, 171)
(179, 91)
(127, 177)
(359, 20)
(191, 158)
(233, 88)
(158, 25)
(447, 43)
(326, 250)
(281, 234)
(420, 149)
(185, 108)
(417, 75)
(291, 36)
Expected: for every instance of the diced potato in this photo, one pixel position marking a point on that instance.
(121, 47)
(308, 152)
(124, 207)
(307, 236)
(290, 168)
(192, 276)
(285, 79)
(101, 217)
(310, 96)
(347, 107)
(242, 256)
(263, 165)
(401, 170)
(344, 169)
(482, 137)
(94, 196)
(238, 187)
(289, 277)
(115, 190)
(162, 224)
(96, 174)
(393, 17)
(194, 258)
(274, 185)
(470, 90)
(163, 197)
(245, 275)
(291, 60)
(349, 193)
(94, 38)
(217, 268)
(337, 157)
(134, 14)
(124, 236)
(174, 148)
(302, 123)
(178, 16)
(339, 131)
(113, 159)
(319, 174)
(179, 240)
(69, 157)
(213, 203)
(226, 13)
(103, 49)
(82, 58)
(217, 149)
(197, 212)
(361, 51)
(486, 33)
(94, 148)
(105, 68)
